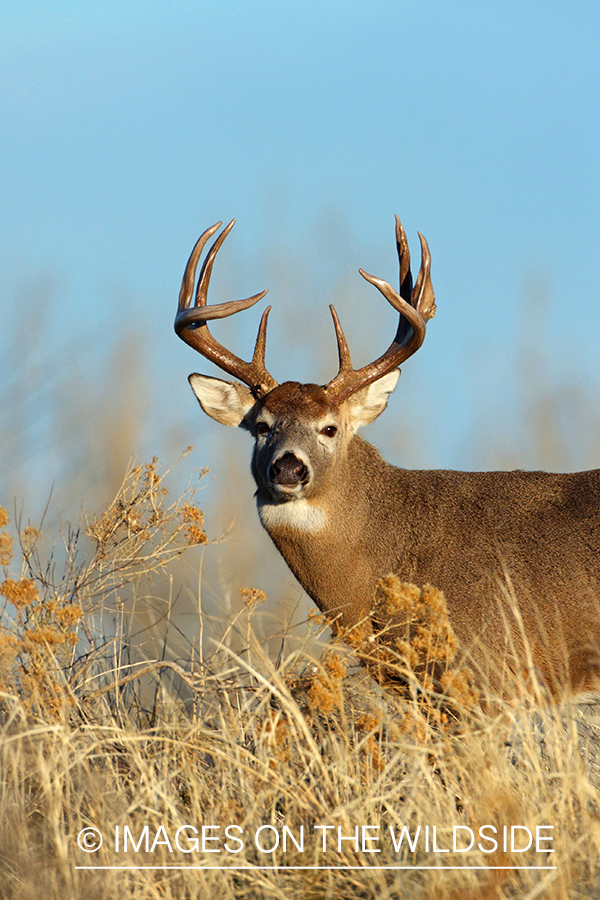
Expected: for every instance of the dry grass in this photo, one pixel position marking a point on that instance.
(92, 733)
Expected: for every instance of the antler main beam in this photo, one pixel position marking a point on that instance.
(190, 321)
(416, 306)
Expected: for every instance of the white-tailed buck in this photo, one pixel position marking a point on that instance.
(342, 517)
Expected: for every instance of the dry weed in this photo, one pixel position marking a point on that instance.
(412, 650)
(308, 763)
(51, 635)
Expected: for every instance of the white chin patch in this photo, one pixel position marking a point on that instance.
(298, 515)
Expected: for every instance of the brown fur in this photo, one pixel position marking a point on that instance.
(466, 532)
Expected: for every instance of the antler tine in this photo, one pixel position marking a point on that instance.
(343, 349)
(415, 306)
(188, 315)
(258, 357)
(190, 321)
(207, 265)
(189, 276)
(423, 296)
(406, 281)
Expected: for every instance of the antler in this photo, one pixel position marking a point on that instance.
(190, 321)
(416, 306)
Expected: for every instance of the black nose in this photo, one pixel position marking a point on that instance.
(288, 470)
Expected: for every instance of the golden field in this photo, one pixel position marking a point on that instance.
(237, 771)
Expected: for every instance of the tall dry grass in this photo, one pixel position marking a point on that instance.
(94, 732)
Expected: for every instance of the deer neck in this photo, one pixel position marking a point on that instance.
(325, 540)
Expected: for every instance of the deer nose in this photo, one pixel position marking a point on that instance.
(289, 470)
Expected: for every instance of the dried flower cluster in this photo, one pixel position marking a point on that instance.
(6, 543)
(251, 597)
(418, 646)
(194, 520)
(37, 637)
(409, 645)
(20, 593)
(325, 690)
(423, 616)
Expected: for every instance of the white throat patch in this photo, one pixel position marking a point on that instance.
(297, 515)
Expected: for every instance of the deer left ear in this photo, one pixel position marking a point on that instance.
(226, 401)
(368, 403)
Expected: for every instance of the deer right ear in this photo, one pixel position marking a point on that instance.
(371, 401)
(226, 401)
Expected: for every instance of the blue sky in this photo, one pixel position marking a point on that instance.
(126, 128)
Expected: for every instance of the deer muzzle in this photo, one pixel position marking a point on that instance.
(288, 471)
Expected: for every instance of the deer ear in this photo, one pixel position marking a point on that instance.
(367, 404)
(226, 401)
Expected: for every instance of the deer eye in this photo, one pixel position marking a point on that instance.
(329, 431)
(262, 428)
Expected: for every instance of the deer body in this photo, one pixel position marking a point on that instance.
(342, 517)
(452, 529)
(463, 532)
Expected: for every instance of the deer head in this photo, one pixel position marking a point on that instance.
(300, 430)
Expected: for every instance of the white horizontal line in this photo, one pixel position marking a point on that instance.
(283, 868)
